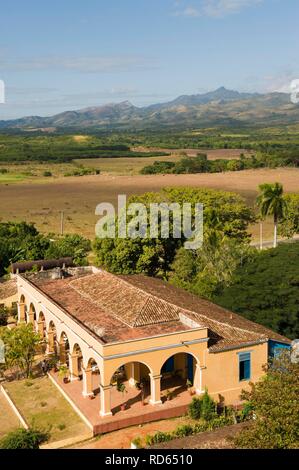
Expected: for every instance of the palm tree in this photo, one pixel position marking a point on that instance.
(271, 202)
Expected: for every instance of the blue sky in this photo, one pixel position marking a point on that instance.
(71, 54)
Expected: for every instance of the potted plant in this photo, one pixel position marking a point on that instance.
(190, 387)
(122, 389)
(63, 372)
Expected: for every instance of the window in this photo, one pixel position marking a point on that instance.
(244, 366)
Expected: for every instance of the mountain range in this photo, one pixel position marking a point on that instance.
(221, 107)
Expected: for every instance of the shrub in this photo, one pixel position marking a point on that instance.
(61, 426)
(208, 407)
(24, 439)
(3, 316)
(195, 408)
(184, 431)
(47, 173)
(158, 437)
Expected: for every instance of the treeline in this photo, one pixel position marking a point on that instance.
(23, 242)
(201, 164)
(63, 149)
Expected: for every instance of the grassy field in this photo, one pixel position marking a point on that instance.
(8, 420)
(34, 171)
(78, 197)
(42, 404)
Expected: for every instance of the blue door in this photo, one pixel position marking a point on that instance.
(190, 368)
(168, 366)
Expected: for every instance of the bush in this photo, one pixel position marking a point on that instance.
(3, 316)
(158, 437)
(204, 407)
(184, 431)
(208, 407)
(47, 173)
(195, 408)
(24, 439)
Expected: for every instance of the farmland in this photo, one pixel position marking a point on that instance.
(42, 201)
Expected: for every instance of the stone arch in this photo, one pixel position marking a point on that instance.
(76, 362)
(31, 314)
(64, 348)
(22, 309)
(41, 324)
(51, 338)
(91, 377)
(178, 373)
(130, 385)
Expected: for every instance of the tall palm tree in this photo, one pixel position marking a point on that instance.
(271, 202)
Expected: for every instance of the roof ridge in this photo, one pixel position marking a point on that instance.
(196, 313)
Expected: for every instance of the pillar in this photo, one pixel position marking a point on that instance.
(40, 328)
(74, 366)
(31, 317)
(155, 389)
(50, 343)
(87, 382)
(105, 397)
(21, 312)
(133, 373)
(62, 353)
(198, 385)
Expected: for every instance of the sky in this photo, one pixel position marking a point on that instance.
(70, 54)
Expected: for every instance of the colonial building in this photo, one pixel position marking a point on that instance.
(146, 330)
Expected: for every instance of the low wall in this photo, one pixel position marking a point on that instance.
(141, 419)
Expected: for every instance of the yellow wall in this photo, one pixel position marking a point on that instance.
(221, 375)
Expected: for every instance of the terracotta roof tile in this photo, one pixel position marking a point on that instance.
(118, 308)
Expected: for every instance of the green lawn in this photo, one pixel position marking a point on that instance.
(41, 404)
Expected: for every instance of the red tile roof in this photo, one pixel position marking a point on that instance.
(119, 308)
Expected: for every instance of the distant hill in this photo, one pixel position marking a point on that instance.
(221, 107)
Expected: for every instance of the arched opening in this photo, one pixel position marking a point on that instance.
(52, 339)
(130, 386)
(76, 363)
(64, 349)
(22, 309)
(91, 379)
(177, 375)
(41, 325)
(31, 314)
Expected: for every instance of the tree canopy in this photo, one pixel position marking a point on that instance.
(22, 242)
(265, 289)
(274, 401)
(154, 256)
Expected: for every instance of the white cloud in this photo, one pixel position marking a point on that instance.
(213, 8)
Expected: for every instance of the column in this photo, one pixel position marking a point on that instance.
(62, 353)
(21, 312)
(31, 317)
(105, 397)
(198, 379)
(74, 366)
(40, 328)
(87, 382)
(133, 373)
(50, 343)
(155, 389)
